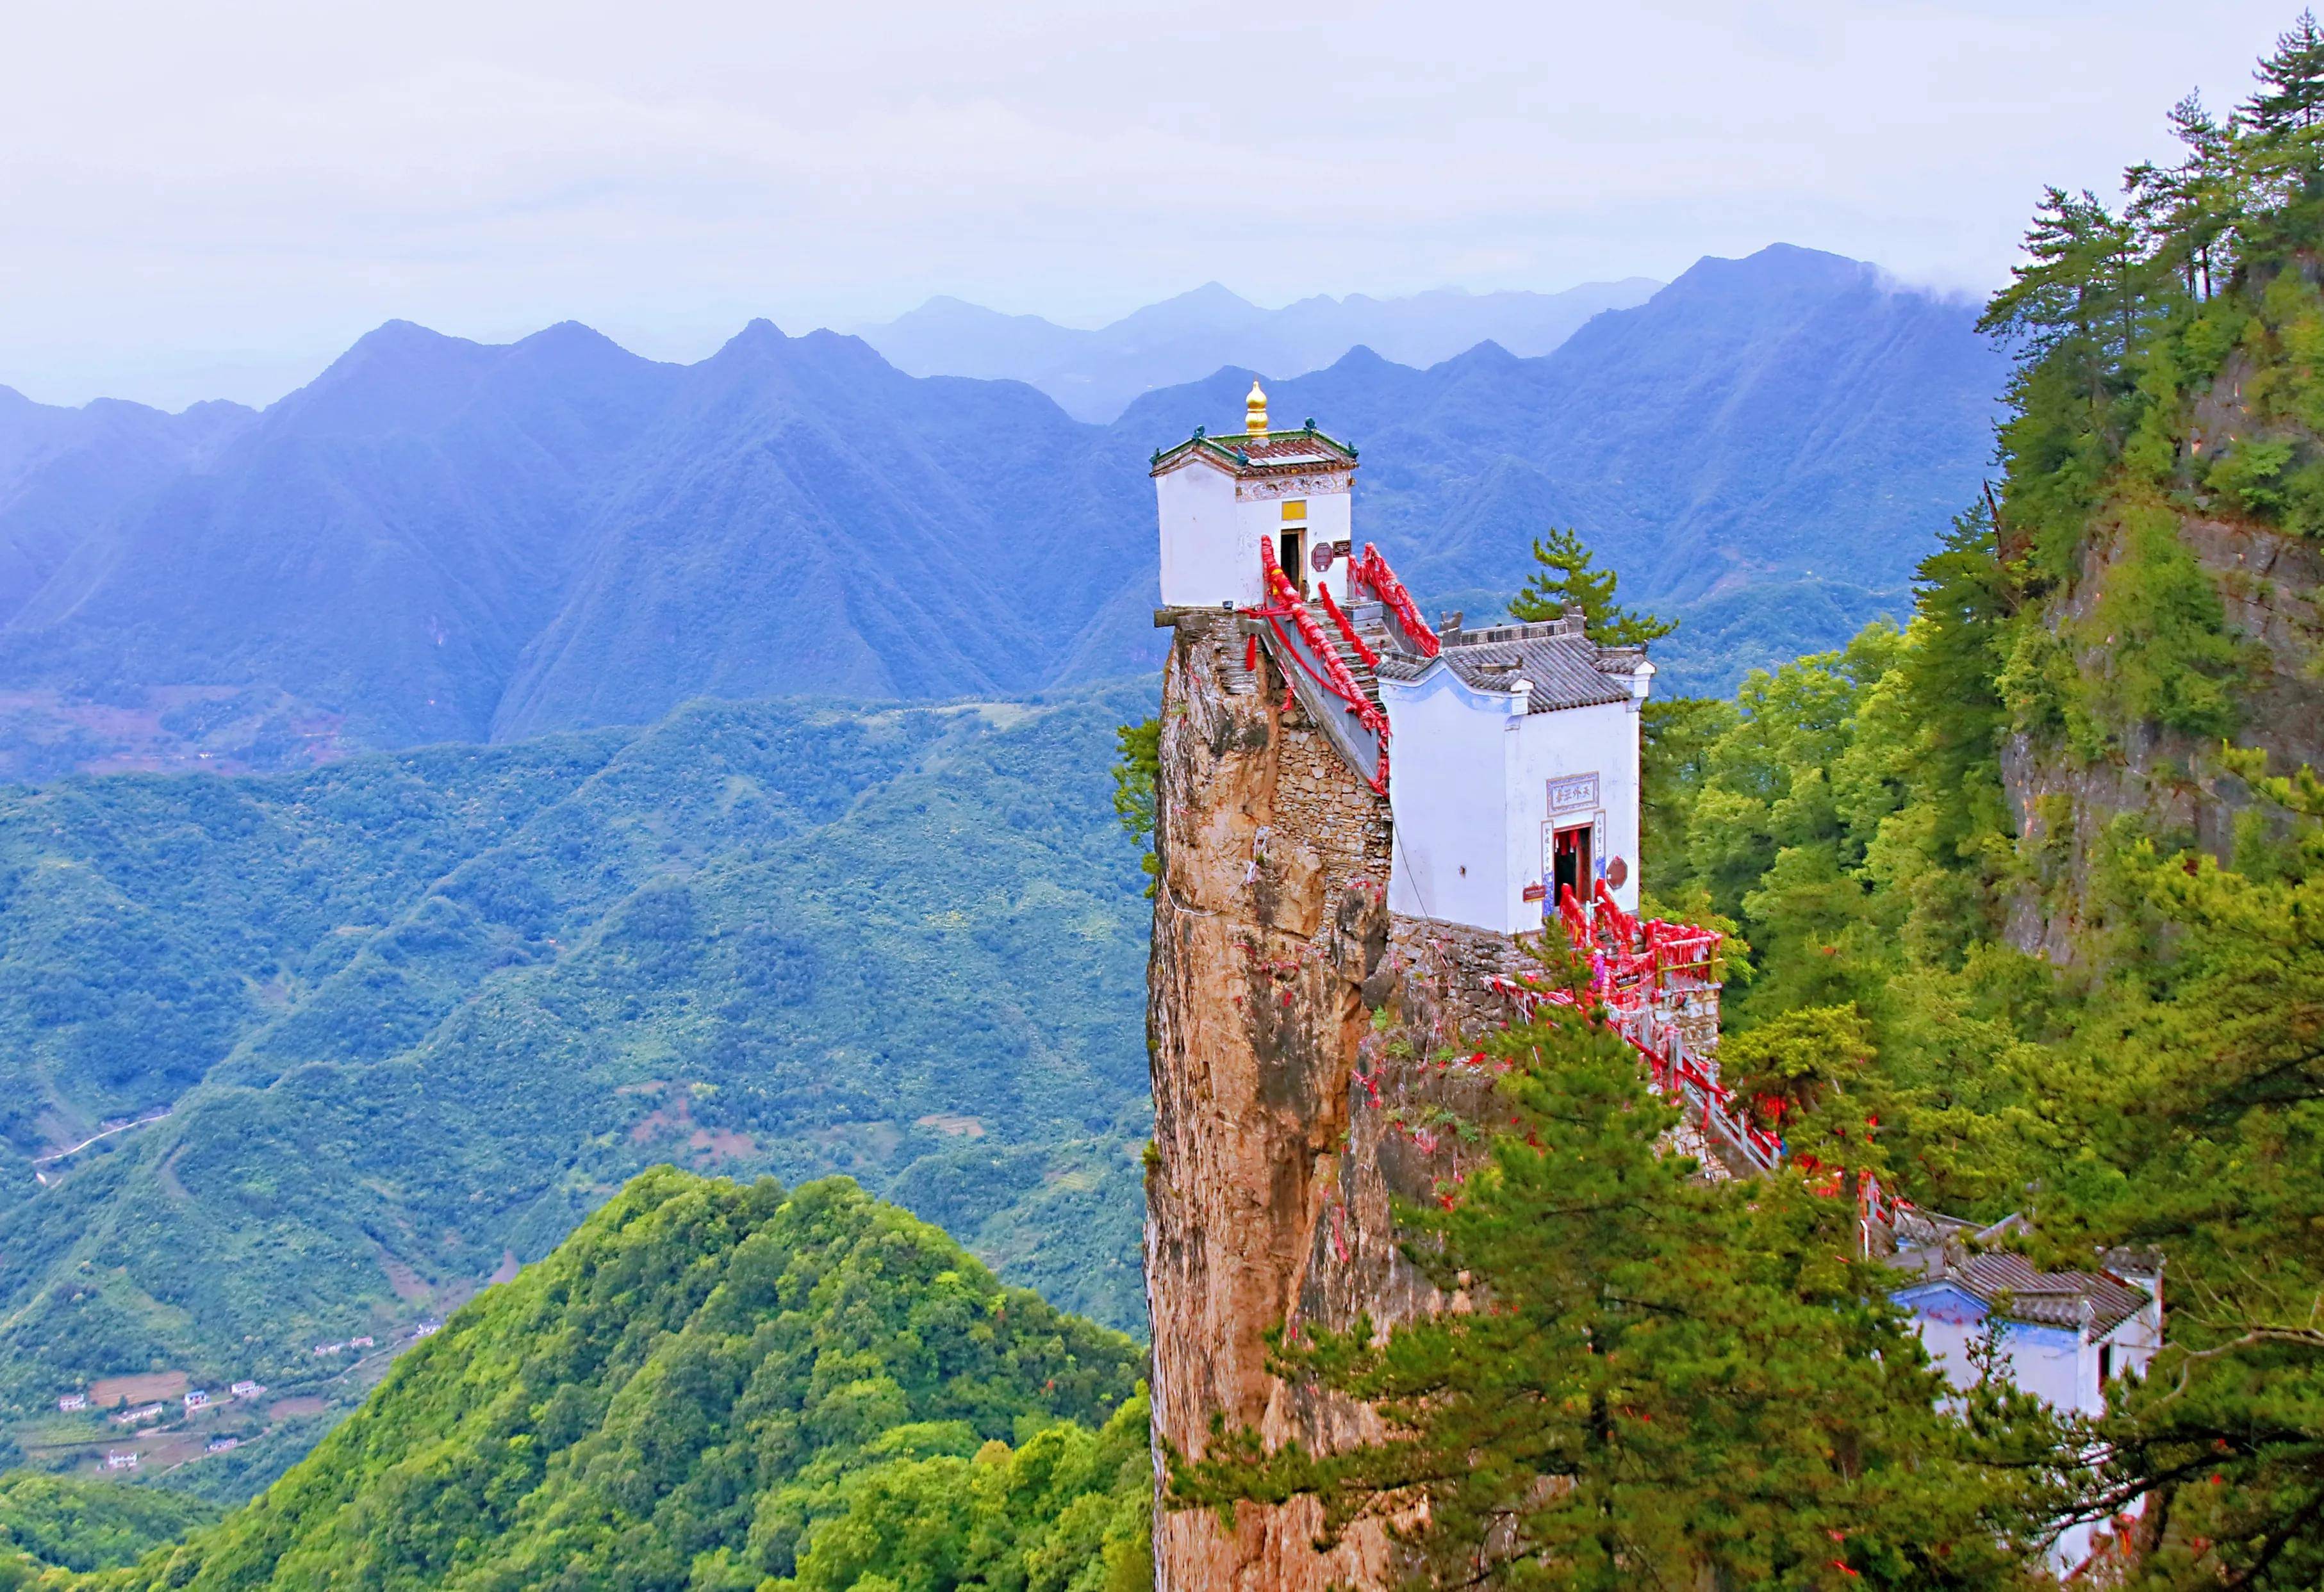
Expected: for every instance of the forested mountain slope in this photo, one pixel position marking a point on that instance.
(75, 1524)
(2035, 886)
(708, 1385)
(437, 541)
(412, 1013)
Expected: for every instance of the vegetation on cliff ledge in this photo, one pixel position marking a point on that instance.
(1666, 1381)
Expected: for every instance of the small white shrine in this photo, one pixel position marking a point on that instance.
(1509, 754)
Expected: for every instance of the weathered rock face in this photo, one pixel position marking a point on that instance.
(1270, 917)
(2267, 582)
(1315, 1063)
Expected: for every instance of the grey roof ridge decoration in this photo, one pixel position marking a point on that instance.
(1556, 658)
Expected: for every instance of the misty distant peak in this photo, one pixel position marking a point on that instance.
(403, 336)
(1209, 296)
(1096, 375)
(1785, 266)
(1486, 355)
(760, 338)
(569, 333)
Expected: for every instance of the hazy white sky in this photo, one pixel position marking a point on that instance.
(213, 200)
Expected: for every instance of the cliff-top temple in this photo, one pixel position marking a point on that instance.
(1356, 813)
(1514, 770)
(1360, 820)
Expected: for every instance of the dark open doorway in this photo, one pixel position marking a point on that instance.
(1570, 863)
(1291, 552)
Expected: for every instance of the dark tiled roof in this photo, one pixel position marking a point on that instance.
(1563, 666)
(2010, 1284)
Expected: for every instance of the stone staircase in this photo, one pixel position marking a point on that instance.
(1370, 623)
(1362, 745)
(1239, 681)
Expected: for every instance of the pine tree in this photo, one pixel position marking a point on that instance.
(2283, 120)
(1134, 776)
(2200, 1116)
(2290, 102)
(1662, 1382)
(2185, 214)
(2075, 301)
(1569, 578)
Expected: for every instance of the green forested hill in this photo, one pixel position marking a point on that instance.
(415, 1015)
(710, 1383)
(73, 1524)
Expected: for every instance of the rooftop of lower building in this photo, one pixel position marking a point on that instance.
(1556, 660)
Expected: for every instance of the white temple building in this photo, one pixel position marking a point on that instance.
(1509, 754)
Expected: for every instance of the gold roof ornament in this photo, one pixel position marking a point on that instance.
(1254, 409)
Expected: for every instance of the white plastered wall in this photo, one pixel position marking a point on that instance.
(1448, 768)
(1600, 741)
(1211, 525)
(1469, 783)
(1207, 555)
(2055, 1364)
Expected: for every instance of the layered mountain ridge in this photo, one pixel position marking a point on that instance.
(440, 540)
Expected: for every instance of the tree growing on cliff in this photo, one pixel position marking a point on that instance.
(1569, 577)
(1661, 1380)
(2196, 1124)
(1134, 776)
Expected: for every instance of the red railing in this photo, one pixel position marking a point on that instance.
(1330, 674)
(1371, 571)
(1362, 649)
(1635, 969)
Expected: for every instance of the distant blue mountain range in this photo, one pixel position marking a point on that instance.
(1094, 375)
(440, 541)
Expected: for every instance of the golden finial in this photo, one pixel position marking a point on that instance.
(1254, 409)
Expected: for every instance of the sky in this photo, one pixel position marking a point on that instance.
(202, 201)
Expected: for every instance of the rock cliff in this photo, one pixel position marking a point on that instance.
(1269, 917)
(2267, 583)
(1310, 1064)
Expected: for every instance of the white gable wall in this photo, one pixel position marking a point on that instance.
(2057, 1364)
(1449, 754)
(1207, 555)
(1469, 778)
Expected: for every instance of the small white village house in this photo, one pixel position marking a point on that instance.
(73, 1400)
(2060, 1336)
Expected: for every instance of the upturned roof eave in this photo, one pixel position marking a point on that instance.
(1224, 451)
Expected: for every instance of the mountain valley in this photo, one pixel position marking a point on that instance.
(412, 1016)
